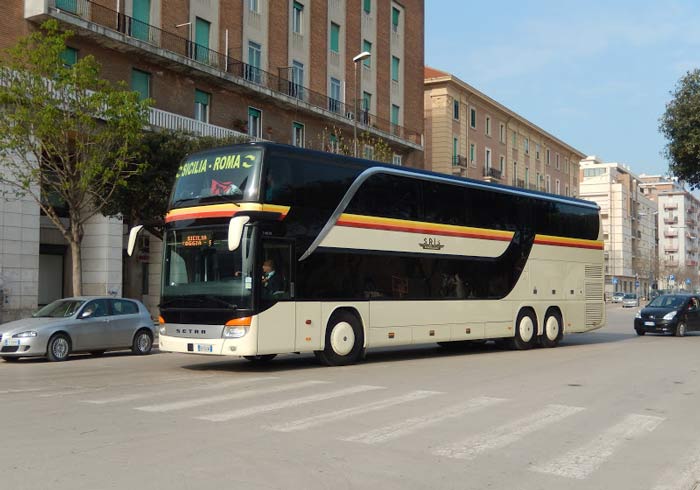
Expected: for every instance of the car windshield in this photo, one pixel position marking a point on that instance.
(200, 271)
(62, 308)
(667, 301)
(630, 296)
(619, 294)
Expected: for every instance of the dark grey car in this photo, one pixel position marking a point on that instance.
(82, 324)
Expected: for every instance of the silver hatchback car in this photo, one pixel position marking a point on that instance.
(82, 324)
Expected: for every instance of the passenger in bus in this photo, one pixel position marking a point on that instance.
(271, 280)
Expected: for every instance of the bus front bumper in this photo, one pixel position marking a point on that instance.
(244, 346)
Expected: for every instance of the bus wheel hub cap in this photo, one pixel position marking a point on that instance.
(527, 329)
(552, 328)
(342, 338)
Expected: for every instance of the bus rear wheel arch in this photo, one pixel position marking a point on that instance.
(345, 339)
(525, 330)
(553, 330)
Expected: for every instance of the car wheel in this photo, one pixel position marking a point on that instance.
(344, 340)
(58, 348)
(680, 329)
(525, 331)
(640, 332)
(553, 329)
(262, 359)
(10, 359)
(97, 353)
(143, 343)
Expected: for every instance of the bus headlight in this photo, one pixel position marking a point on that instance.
(235, 332)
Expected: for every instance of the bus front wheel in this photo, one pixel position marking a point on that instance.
(344, 340)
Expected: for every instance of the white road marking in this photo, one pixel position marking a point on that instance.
(327, 417)
(683, 476)
(581, 462)
(507, 434)
(294, 402)
(70, 392)
(155, 394)
(14, 391)
(198, 402)
(415, 424)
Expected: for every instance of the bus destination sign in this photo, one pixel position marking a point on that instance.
(197, 240)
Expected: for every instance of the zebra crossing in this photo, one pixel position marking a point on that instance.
(274, 398)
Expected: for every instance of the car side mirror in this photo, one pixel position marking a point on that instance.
(235, 231)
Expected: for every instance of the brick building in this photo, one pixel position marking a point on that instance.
(469, 134)
(278, 70)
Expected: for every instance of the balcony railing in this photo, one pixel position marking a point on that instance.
(670, 206)
(671, 221)
(168, 120)
(459, 160)
(671, 233)
(159, 38)
(492, 172)
(519, 183)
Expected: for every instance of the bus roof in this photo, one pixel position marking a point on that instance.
(363, 163)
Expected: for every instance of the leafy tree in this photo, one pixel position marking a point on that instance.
(66, 134)
(680, 124)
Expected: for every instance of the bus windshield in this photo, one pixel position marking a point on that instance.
(200, 272)
(222, 174)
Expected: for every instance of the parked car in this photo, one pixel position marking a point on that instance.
(669, 313)
(630, 300)
(80, 324)
(617, 297)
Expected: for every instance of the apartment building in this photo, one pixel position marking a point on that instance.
(279, 70)
(678, 223)
(628, 219)
(469, 134)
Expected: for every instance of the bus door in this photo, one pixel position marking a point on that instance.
(276, 323)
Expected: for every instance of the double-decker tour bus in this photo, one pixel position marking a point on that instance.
(273, 249)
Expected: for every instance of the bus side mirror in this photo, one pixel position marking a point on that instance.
(235, 231)
(133, 234)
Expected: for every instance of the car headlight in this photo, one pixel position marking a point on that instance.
(24, 335)
(639, 314)
(235, 332)
(670, 316)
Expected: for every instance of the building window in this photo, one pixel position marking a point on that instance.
(395, 13)
(254, 6)
(296, 88)
(254, 122)
(202, 29)
(488, 126)
(334, 99)
(69, 56)
(515, 173)
(556, 159)
(557, 187)
(366, 101)
(369, 152)
(537, 151)
(527, 177)
(252, 70)
(333, 143)
(526, 141)
(502, 133)
(548, 183)
(537, 181)
(566, 190)
(202, 101)
(367, 6)
(297, 18)
(141, 83)
(487, 155)
(455, 149)
(335, 37)
(395, 68)
(298, 134)
(396, 159)
(514, 138)
(566, 166)
(455, 109)
(472, 117)
(472, 154)
(548, 157)
(367, 46)
(501, 163)
(395, 110)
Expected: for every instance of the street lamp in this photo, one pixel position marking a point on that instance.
(360, 57)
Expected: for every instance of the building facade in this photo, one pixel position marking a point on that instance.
(469, 134)
(678, 232)
(628, 219)
(279, 70)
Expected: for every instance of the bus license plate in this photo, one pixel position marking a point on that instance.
(649, 324)
(205, 348)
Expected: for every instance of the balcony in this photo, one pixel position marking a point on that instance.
(670, 206)
(459, 161)
(118, 31)
(519, 183)
(671, 220)
(671, 249)
(671, 263)
(167, 120)
(670, 233)
(492, 174)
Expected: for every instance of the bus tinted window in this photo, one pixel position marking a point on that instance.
(444, 203)
(389, 196)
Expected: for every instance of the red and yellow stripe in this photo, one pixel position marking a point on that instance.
(227, 210)
(390, 224)
(558, 241)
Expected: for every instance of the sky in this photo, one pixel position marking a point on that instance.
(596, 74)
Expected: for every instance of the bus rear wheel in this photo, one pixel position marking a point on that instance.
(345, 340)
(553, 329)
(525, 331)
